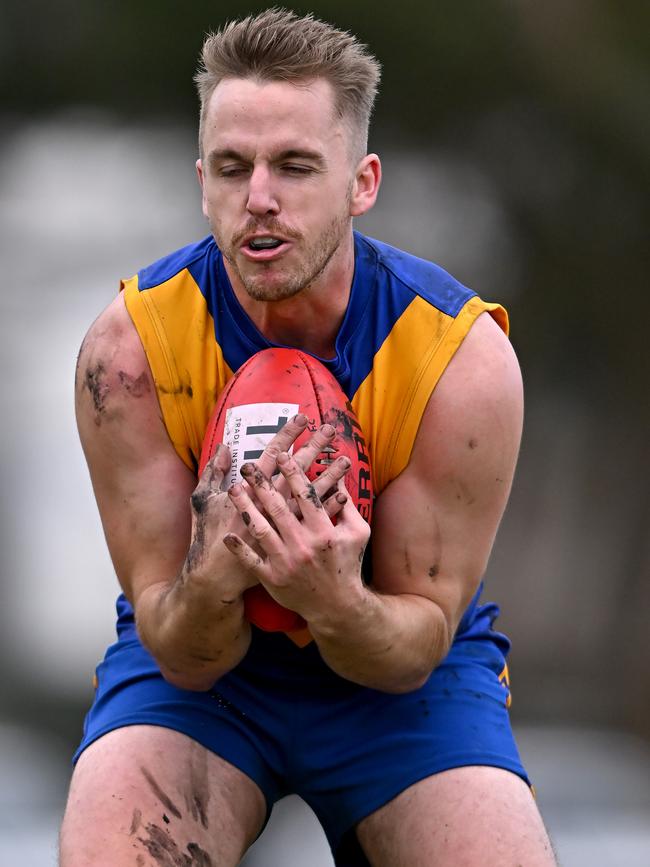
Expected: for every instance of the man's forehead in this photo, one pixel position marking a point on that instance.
(234, 95)
(246, 116)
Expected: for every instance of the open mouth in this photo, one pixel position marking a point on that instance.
(264, 248)
(267, 243)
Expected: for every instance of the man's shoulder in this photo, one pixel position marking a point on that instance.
(188, 257)
(417, 276)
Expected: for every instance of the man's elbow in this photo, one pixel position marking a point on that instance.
(413, 677)
(404, 685)
(201, 681)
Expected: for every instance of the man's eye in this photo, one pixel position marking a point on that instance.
(297, 170)
(232, 171)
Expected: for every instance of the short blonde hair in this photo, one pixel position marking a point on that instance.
(278, 45)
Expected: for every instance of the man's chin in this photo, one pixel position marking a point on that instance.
(270, 290)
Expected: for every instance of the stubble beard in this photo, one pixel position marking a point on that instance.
(303, 274)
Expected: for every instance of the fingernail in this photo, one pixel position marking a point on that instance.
(231, 541)
(235, 490)
(283, 457)
(345, 461)
(341, 498)
(247, 469)
(300, 418)
(327, 430)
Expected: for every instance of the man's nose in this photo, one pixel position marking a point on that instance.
(262, 198)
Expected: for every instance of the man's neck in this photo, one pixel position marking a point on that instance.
(307, 323)
(309, 320)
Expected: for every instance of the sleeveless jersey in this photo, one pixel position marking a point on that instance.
(405, 319)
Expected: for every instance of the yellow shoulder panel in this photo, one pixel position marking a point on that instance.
(391, 400)
(177, 332)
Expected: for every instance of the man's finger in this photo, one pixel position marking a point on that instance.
(250, 560)
(211, 477)
(257, 523)
(317, 448)
(318, 445)
(334, 505)
(302, 489)
(331, 476)
(281, 442)
(219, 463)
(267, 499)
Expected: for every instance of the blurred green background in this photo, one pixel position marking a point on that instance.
(516, 146)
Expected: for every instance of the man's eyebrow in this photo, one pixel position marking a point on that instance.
(225, 154)
(300, 154)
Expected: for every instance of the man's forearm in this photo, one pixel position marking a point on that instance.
(194, 643)
(389, 643)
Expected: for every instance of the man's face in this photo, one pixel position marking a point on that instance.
(277, 180)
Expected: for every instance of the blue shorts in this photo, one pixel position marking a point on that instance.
(293, 726)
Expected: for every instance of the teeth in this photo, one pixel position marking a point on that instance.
(265, 243)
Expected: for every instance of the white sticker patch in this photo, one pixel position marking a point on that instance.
(248, 429)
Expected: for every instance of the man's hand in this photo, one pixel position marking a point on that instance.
(209, 565)
(163, 531)
(307, 563)
(200, 618)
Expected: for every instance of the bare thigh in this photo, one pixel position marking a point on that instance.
(466, 817)
(146, 796)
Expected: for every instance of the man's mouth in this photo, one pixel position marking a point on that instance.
(264, 243)
(264, 248)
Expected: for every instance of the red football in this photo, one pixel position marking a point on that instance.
(267, 390)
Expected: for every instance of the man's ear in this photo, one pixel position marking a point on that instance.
(366, 185)
(199, 174)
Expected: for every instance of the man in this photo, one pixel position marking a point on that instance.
(392, 723)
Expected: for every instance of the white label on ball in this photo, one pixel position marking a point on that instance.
(248, 430)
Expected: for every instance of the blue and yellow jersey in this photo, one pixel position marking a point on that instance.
(405, 320)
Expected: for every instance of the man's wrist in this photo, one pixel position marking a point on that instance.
(344, 619)
(203, 595)
(190, 633)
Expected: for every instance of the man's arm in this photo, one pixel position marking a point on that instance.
(143, 492)
(434, 525)
(165, 532)
(433, 530)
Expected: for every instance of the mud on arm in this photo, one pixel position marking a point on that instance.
(163, 536)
